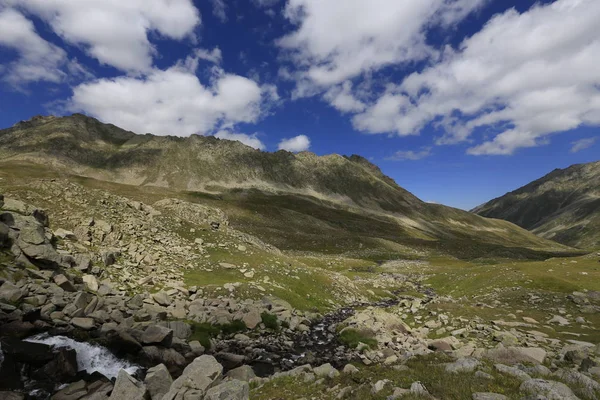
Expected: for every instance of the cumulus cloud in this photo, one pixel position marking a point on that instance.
(333, 44)
(295, 144)
(174, 101)
(37, 60)
(341, 97)
(249, 140)
(583, 144)
(410, 155)
(115, 32)
(523, 77)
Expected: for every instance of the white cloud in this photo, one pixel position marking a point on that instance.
(38, 60)
(220, 10)
(295, 144)
(583, 144)
(523, 76)
(115, 32)
(249, 140)
(410, 155)
(335, 43)
(341, 97)
(174, 101)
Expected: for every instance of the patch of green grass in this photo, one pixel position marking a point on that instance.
(270, 320)
(429, 370)
(352, 337)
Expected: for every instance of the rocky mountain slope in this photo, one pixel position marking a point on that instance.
(329, 202)
(563, 206)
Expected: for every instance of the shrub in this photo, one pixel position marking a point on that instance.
(270, 320)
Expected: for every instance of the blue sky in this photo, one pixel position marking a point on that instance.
(459, 101)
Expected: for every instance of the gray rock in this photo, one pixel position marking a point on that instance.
(512, 371)
(252, 318)
(128, 388)
(590, 387)
(91, 282)
(326, 370)
(162, 298)
(156, 334)
(489, 396)
(230, 390)
(203, 373)
(244, 373)
(350, 369)
(463, 365)
(516, 355)
(158, 381)
(64, 283)
(551, 390)
(180, 329)
(10, 293)
(83, 323)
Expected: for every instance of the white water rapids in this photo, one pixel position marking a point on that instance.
(90, 357)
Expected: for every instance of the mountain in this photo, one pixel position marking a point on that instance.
(563, 206)
(294, 201)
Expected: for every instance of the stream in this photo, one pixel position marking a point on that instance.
(266, 354)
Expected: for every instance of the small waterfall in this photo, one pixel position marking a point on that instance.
(90, 358)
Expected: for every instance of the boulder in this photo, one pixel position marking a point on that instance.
(62, 368)
(244, 373)
(83, 323)
(512, 371)
(153, 355)
(203, 373)
(65, 234)
(158, 381)
(326, 370)
(252, 318)
(550, 390)
(10, 293)
(162, 298)
(587, 385)
(64, 283)
(180, 329)
(90, 282)
(128, 388)
(156, 334)
(463, 365)
(516, 355)
(230, 390)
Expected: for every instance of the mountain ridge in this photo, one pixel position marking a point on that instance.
(292, 188)
(563, 205)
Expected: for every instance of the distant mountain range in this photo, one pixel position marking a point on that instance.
(563, 206)
(84, 146)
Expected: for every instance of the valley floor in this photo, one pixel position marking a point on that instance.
(371, 319)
